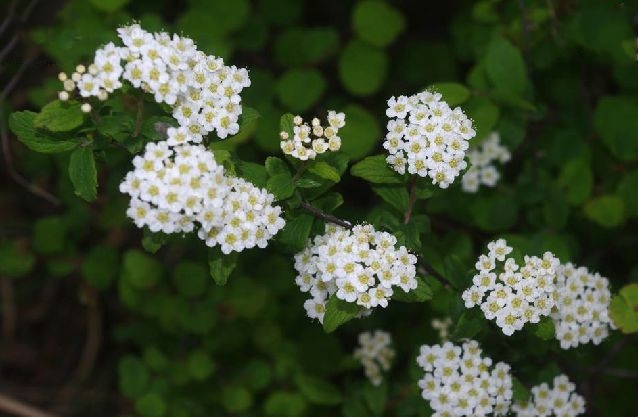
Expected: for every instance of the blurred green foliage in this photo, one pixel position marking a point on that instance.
(557, 79)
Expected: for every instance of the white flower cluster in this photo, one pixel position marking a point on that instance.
(308, 142)
(482, 171)
(358, 265)
(458, 381)
(178, 189)
(375, 353)
(443, 327)
(581, 313)
(427, 137)
(202, 91)
(514, 295)
(560, 401)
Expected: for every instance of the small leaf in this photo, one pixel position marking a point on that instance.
(248, 115)
(616, 123)
(100, 266)
(83, 173)
(317, 390)
(423, 292)
(469, 325)
(15, 261)
(255, 173)
(624, 309)
(456, 273)
(151, 405)
(376, 398)
(299, 89)
(49, 235)
(281, 186)
(200, 365)
(362, 68)
(338, 312)
(221, 265)
(395, 195)
(295, 234)
(453, 93)
(140, 270)
(505, 66)
(376, 170)
(578, 180)
(133, 377)
(21, 124)
(520, 392)
(607, 210)
(152, 242)
(324, 170)
(545, 329)
(286, 124)
(276, 166)
(236, 399)
(285, 404)
(377, 22)
(59, 116)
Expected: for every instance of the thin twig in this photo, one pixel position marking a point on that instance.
(325, 216)
(301, 170)
(9, 16)
(412, 199)
(8, 163)
(17, 408)
(8, 309)
(425, 269)
(93, 337)
(8, 47)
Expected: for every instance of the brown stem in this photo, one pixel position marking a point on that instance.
(425, 269)
(8, 309)
(411, 201)
(17, 408)
(93, 336)
(325, 216)
(301, 170)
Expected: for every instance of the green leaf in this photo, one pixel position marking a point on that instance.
(545, 329)
(21, 124)
(59, 116)
(220, 266)
(295, 234)
(236, 399)
(152, 242)
(15, 260)
(190, 278)
(395, 195)
(623, 309)
(377, 22)
(338, 312)
(281, 186)
(133, 377)
(484, 115)
(140, 270)
(453, 93)
(156, 359)
(255, 173)
(298, 46)
(376, 170)
(49, 235)
(118, 127)
(248, 115)
(200, 365)
(285, 404)
(324, 170)
(519, 391)
(362, 68)
(376, 398)
(100, 266)
(361, 134)
(616, 123)
(328, 202)
(456, 273)
(495, 213)
(607, 210)
(83, 173)
(276, 166)
(286, 124)
(299, 89)
(317, 390)
(423, 292)
(505, 66)
(151, 405)
(577, 179)
(109, 5)
(468, 325)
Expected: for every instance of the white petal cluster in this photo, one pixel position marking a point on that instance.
(460, 382)
(582, 304)
(179, 189)
(482, 170)
(511, 294)
(202, 92)
(560, 401)
(358, 265)
(426, 137)
(375, 353)
(443, 327)
(309, 141)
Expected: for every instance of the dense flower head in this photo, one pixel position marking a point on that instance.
(309, 141)
(358, 265)
(202, 92)
(443, 327)
(426, 137)
(375, 353)
(459, 381)
(561, 400)
(482, 170)
(582, 304)
(511, 294)
(179, 189)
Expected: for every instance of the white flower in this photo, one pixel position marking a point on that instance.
(375, 353)
(561, 400)
(481, 171)
(308, 142)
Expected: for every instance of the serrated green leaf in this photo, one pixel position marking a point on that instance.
(468, 325)
(607, 210)
(328, 202)
(221, 265)
(295, 234)
(453, 93)
(505, 66)
(423, 292)
(545, 329)
(286, 124)
(281, 186)
(276, 166)
(623, 309)
(338, 312)
(317, 390)
(59, 116)
(395, 195)
(324, 170)
(377, 22)
(83, 173)
(255, 173)
(21, 124)
(248, 115)
(376, 170)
